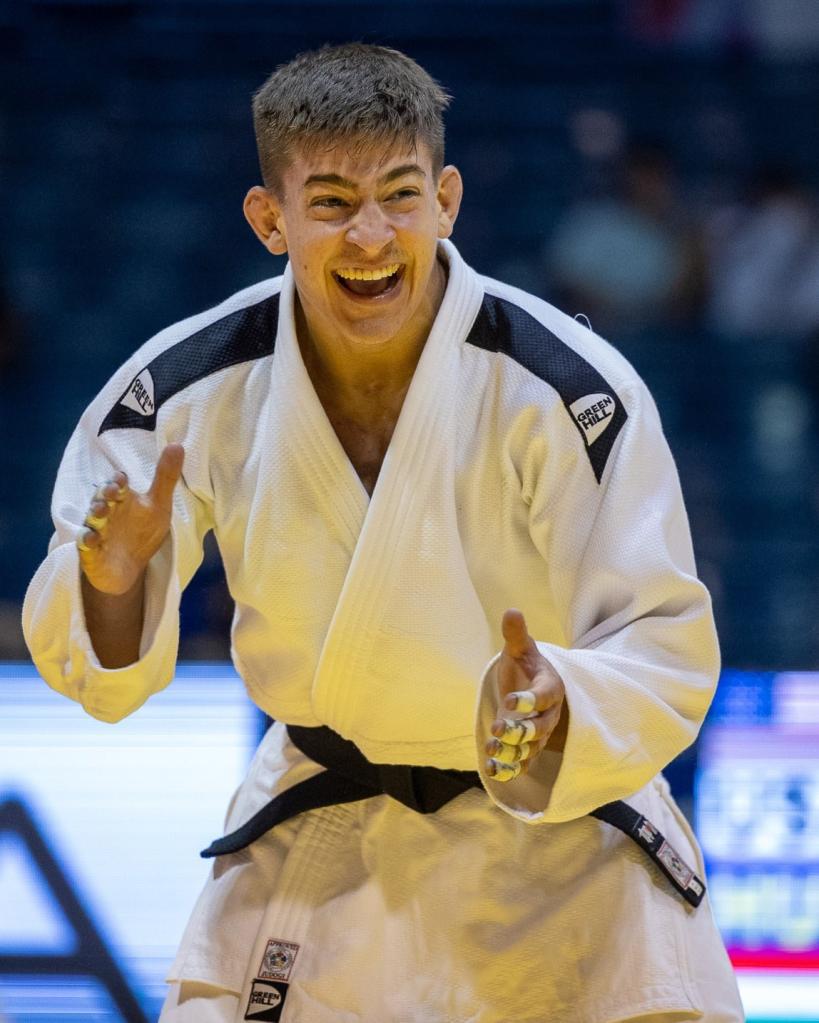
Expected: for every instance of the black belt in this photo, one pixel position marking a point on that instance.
(349, 776)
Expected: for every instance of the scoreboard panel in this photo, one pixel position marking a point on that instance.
(756, 800)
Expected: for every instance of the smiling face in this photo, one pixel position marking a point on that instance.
(361, 227)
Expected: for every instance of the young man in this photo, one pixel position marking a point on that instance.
(394, 454)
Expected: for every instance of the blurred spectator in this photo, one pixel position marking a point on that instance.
(785, 29)
(764, 261)
(775, 28)
(630, 260)
(700, 24)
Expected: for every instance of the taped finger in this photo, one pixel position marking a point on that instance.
(505, 753)
(108, 494)
(96, 522)
(517, 731)
(524, 702)
(502, 772)
(81, 538)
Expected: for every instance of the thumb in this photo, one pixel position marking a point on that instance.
(168, 471)
(515, 633)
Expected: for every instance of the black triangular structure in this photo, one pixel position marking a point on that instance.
(92, 957)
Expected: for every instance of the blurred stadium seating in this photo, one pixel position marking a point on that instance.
(125, 150)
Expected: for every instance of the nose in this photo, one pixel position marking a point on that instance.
(370, 229)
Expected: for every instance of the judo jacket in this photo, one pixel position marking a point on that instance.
(528, 469)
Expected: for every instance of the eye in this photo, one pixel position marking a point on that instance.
(328, 202)
(404, 193)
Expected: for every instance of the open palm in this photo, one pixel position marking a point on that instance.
(124, 529)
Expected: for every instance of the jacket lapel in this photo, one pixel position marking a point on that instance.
(409, 635)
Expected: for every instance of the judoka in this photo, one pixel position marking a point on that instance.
(465, 592)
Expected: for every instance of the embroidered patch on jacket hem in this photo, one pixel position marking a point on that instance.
(278, 960)
(266, 1001)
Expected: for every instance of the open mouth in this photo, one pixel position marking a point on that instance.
(370, 283)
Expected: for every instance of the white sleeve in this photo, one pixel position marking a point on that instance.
(53, 617)
(643, 660)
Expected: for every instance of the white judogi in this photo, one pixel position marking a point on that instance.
(527, 469)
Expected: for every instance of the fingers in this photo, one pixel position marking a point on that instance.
(106, 498)
(503, 772)
(522, 702)
(168, 471)
(97, 515)
(532, 731)
(515, 731)
(547, 690)
(517, 741)
(507, 753)
(88, 541)
(114, 490)
(102, 504)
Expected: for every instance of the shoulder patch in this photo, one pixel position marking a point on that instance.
(594, 407)
(247, 334)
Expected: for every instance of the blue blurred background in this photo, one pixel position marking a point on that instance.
(652, 164)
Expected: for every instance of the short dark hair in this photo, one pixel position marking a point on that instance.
(355, 94)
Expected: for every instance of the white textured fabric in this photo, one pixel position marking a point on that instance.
(197, 1003)
(380, 618)
(193, 1002)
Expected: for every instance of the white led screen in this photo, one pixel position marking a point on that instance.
(100, 831)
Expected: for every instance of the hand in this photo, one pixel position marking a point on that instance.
(530, 687)
(124, 529)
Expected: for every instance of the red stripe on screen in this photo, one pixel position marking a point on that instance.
(774, 959)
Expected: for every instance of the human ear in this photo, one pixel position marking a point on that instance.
(263, 212)
(450, 193)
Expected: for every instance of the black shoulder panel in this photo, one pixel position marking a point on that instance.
(247, 334)
(502, 326)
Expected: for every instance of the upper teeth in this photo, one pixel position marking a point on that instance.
(369, 275)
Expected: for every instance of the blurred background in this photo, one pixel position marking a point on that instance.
(651, 164)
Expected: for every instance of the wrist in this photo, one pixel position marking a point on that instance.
(114, 622)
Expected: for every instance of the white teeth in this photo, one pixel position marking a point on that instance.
(368, 275)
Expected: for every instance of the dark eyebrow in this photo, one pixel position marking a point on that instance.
(337, 179)
(399, 172)
(329, 179)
